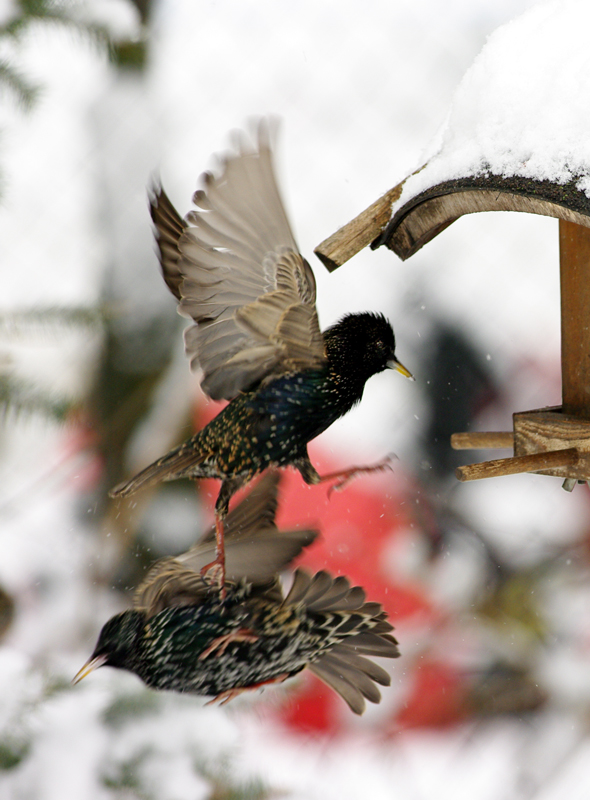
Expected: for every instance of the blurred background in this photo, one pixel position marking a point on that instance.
(486, 584)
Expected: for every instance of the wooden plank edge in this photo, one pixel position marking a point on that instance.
(482, 440)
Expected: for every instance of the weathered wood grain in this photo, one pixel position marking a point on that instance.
(574, 254)
(548, 429)
(424, 216)
(518, 464)
(357, 234)
(482, 440)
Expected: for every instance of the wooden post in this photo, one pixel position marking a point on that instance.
(574, 254)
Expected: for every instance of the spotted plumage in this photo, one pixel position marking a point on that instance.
(182, 636)
(235, 269)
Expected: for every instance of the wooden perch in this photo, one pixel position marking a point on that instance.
(480, 440)
(518, 464)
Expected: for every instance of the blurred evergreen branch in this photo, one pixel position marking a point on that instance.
(23, 90)
(28, 11)
(122, 53)
(49, 12)
(19, 397)
(27, 321)
(12, 752)
(224, 785)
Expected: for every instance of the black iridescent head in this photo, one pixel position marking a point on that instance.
(117, 643)
(365, 340)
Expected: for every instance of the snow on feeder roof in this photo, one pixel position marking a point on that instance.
(517, 138)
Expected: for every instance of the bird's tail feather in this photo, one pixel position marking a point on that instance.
(361, 629)
(171, 466)
(352, 676)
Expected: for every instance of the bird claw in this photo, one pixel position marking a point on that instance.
(222, 642)
(229, 694)
(225, 697)
(213, 575)
(346, 476)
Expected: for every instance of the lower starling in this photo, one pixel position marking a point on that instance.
(236, 271)
(182, 635)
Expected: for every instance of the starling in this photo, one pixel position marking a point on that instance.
(183, 636)
(235, 269)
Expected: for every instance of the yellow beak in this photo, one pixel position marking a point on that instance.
(399, 367)
(89, 666)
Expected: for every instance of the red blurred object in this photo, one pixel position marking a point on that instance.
(436, 698)
(313, 709)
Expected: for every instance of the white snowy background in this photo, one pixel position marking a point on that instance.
(362, 89)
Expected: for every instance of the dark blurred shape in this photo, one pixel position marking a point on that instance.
(6, 611)
(133, 54)
(459, 387)
(514, 597)
(132, 363)
(12, 752)
(145, 8)
(504, 689)
(129, 55)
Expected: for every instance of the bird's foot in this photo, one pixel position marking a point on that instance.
(213, 575)
(225, 697)
(344, 477)
(220, 645)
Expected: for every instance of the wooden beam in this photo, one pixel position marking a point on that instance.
(482, 440)
(574, 254)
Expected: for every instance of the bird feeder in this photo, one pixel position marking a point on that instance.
(516, 139)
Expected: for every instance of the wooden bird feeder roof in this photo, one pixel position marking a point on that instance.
(527, 150)
(420, 219)
(425, 216)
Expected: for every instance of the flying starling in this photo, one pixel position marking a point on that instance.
(235, 269)
(183, 636)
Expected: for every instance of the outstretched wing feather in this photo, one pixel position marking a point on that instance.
(249, 292)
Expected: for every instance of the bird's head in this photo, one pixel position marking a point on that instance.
(367, 340)
(116, 643)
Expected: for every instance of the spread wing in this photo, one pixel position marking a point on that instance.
(254, 550)
(236, 269)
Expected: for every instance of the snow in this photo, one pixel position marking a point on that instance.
(522, 108)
